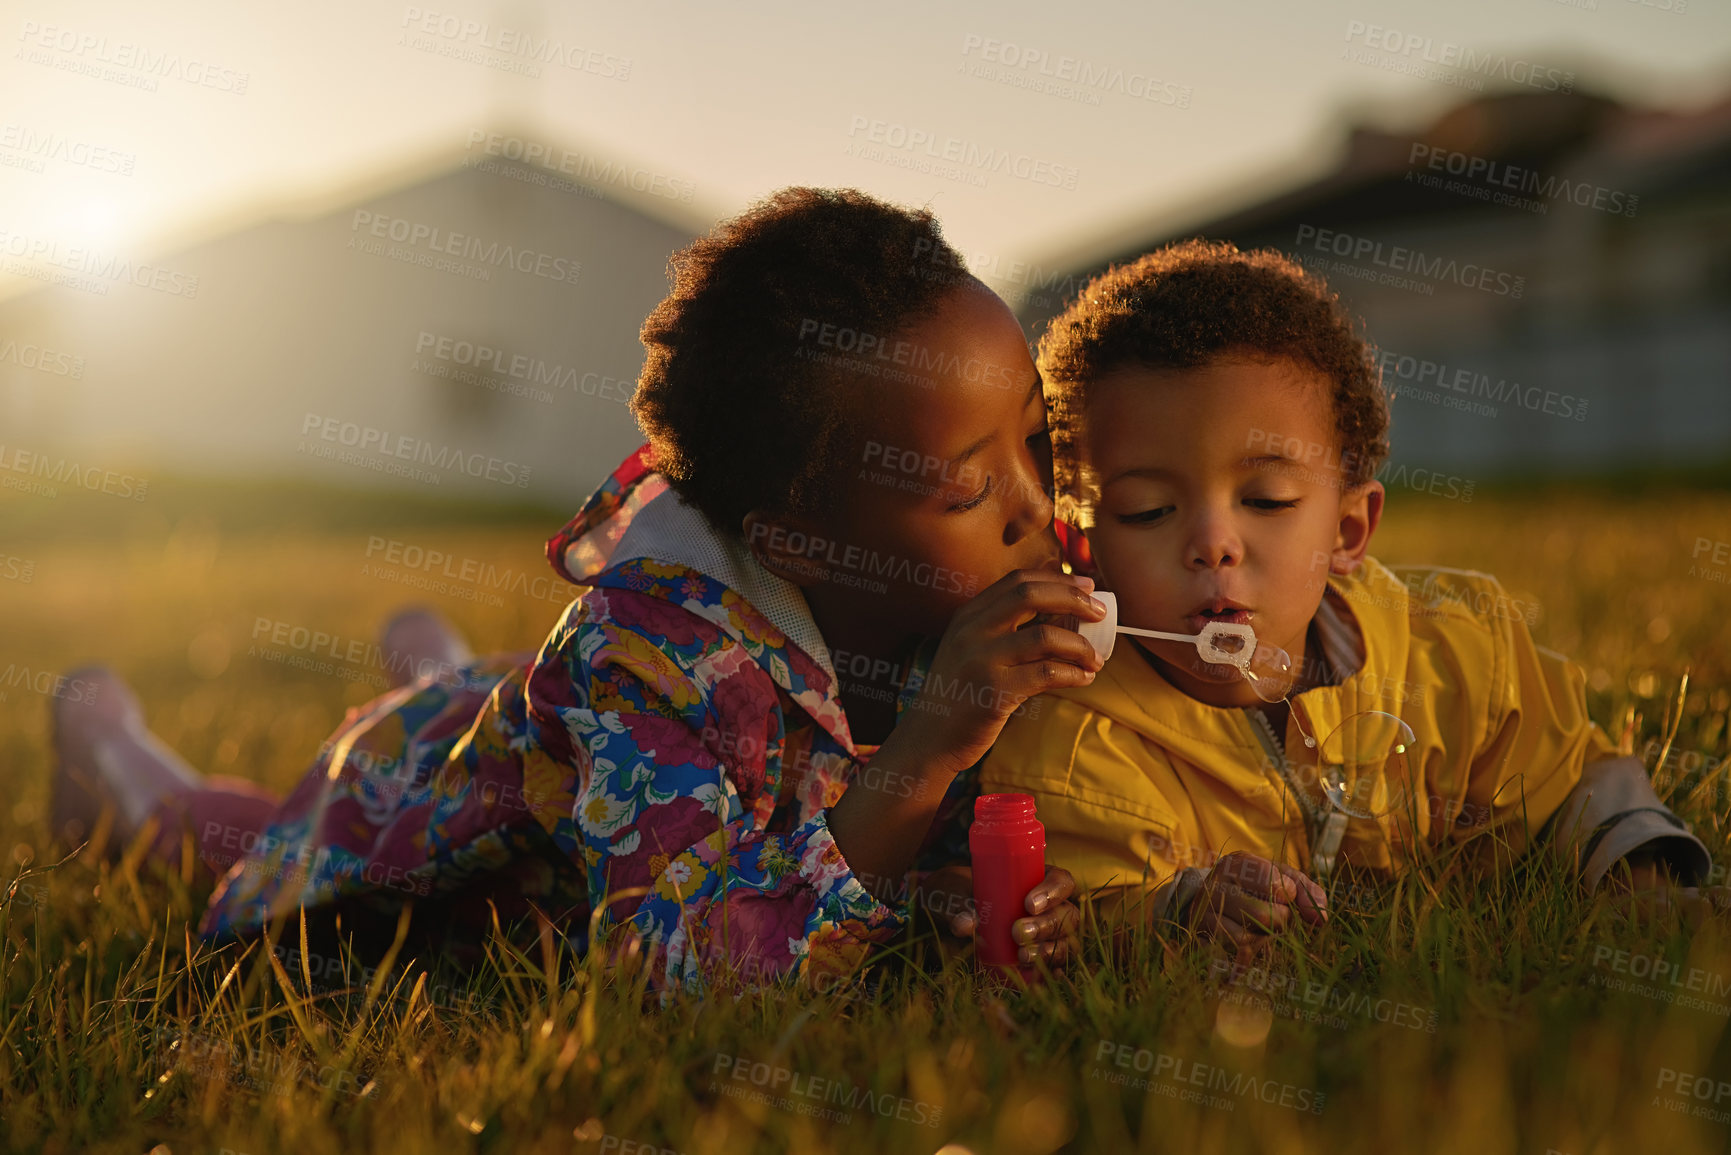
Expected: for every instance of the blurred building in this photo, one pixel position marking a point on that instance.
(1548, 277)
(467, 326)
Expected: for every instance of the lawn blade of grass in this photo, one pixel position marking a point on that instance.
(306, 963)
(296, 1006)
(1673, 721)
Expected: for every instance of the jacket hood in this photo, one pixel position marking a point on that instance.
(635, 515)
(584, 549)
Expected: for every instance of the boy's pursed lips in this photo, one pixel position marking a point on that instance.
(1218, 609)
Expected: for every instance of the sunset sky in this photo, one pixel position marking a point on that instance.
(1190, 107)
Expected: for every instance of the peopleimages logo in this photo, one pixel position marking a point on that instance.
(1497, 175)
(1399, 259)
(981, 158)
(1070, 77)
(520, 367)
(1694, 980)
(806, 1094)
(366, 439)
(512, 42)
(849, 347)
(32, 463)
(1013, 278)
(17, 569)
(417, 565)
(1688, 1086)
(435, 240)
(78, 259)
(31, 356)
(48, 683)
(1449, 379)
(854, 565)
(1170, 1069)
(45, 146)
(588, 169)
(1448, 54)
(1331, 1000)
(91, 51)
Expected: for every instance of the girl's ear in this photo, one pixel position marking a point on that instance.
(787, 545)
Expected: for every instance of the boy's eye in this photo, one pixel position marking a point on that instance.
(1145, 517)
(1269, 503)
(975, 501)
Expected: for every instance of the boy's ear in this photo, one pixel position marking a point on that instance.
(787, 545)
(1360, 512)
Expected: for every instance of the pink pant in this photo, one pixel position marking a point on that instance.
(217, 818)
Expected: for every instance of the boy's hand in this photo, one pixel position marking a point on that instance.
(1696, 904)
(1245, 897)
(987, 665)
(1648, 889)
(1049, 931)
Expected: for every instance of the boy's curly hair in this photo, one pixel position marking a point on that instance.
(742, 402)
(1187, 304)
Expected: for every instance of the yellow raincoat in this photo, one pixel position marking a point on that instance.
(1135, 780)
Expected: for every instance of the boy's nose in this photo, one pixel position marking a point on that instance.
(1213, 545)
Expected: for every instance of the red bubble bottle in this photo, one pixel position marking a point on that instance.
(1008, 846)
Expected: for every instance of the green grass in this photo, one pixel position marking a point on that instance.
(120, 1031)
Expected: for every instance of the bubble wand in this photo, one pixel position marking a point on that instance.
(1268, 669)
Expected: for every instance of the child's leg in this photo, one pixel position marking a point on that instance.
(221, 819)
(107, 760)
(419, 641)
(105, 757)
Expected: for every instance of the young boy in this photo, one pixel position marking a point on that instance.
(1217, 426)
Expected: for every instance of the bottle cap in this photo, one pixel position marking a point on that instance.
(1103, 634)
(1004, 823)
(1007, 809)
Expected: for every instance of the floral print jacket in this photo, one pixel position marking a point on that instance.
(666, 760)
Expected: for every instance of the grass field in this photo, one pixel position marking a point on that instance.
(119, 1031)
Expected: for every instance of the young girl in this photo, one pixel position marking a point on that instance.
(846, 444)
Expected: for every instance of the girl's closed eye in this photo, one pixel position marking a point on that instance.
(975, 501)
(1270, 503)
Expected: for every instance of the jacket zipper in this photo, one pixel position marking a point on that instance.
(1272, 745)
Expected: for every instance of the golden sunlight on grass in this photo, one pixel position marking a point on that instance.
(120, 1031)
